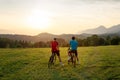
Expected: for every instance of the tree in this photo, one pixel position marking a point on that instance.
(115, 40)
(108, 40)
(101, 41)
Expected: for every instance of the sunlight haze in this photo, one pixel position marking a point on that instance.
(32, 17)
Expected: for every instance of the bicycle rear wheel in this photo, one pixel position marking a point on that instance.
(51, 61)
(74, 60)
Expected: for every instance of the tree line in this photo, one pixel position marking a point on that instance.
(8, 43)
(93, 40)
(96, 40)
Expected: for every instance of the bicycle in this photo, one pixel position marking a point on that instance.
(52, 60)
(72, 58)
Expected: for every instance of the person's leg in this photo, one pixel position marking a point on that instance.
(77, 56)
(58, 54)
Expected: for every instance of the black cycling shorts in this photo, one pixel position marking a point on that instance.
(74, 51)
(56, 52)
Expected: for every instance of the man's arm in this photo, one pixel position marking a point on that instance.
(57, 47)
(69, 45)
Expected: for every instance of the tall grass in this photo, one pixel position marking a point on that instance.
(96, 63)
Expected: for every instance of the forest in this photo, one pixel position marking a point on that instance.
(93, 40)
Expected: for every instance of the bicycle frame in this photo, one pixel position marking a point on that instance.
(52, 60)
(73, 59)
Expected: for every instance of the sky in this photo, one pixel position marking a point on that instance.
(32, 17)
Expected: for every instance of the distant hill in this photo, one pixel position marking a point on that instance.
(48, 37)
(98, 30)
(114, 29)
(103, 30)
(45, 36)
(67, 37)
(40, 37)
(20, 37)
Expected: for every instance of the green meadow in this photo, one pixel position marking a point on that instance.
(96, 63)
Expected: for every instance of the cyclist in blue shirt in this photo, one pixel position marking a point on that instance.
(73, 47)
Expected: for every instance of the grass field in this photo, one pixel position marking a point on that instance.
(96, 63)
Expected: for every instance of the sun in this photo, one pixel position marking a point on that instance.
(38, 20)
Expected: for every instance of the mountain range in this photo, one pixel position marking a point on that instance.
(101, 31)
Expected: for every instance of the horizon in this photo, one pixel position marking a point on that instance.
(32, 17)
(60, 33)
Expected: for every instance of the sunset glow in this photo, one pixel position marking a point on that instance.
(57, 16)
(38, 20)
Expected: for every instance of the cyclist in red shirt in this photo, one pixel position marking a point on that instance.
(55, 49)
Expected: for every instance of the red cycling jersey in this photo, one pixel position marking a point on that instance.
(54, 45)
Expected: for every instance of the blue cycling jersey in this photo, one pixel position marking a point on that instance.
(73, 44)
